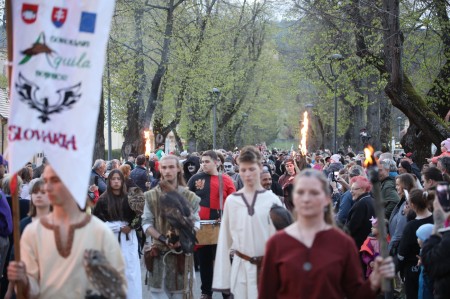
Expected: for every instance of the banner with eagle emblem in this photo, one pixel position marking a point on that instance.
(58, 59)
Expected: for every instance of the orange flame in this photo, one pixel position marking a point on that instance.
(368, 151)
(147, 142)
(304, 134)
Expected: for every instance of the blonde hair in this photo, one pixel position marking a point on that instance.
(314, 173)
(180, 176)
(125, 169)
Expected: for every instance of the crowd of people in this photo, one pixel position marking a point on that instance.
(289, 226)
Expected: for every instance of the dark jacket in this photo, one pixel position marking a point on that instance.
(389, 196)
(332, 168)
(5, 217)
(101, 181)
(130, 184)
(279, 167)
(140, 177)
(37, 172)
(345, 205)
(436, 260)
(358, 220)
(416, 171)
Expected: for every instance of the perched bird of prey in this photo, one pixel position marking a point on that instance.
(136, 200)
(107, 281)
(175, 208)
(280, 216)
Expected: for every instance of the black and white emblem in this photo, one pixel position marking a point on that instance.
(28, 94)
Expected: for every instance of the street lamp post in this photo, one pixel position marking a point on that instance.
(244, 122)
(335, 57)
(109, 110)
(215, 92)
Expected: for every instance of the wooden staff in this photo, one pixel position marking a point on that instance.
(16, 226)
(379, 213)
(13, 183)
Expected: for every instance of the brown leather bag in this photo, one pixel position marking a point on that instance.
(149, 257)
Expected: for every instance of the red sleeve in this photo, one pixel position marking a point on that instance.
(353, 283)
(228, 187)
(269, 280)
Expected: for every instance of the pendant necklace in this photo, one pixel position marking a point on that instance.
(307, 266)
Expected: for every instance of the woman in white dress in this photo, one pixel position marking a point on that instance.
(112, 207)
(244, 230)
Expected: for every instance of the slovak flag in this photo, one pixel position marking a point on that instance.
(59, 16)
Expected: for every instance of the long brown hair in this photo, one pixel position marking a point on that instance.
(407, 181)
(113, 204)
(35, 187)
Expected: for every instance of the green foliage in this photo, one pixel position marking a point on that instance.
(265, 69)
(115, 154)
(3, 82)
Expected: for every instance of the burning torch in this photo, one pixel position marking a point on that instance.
(372, 170)
(303, 134)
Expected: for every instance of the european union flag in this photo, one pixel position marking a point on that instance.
(87, 23)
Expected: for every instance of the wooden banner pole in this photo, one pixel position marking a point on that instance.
(13, 183)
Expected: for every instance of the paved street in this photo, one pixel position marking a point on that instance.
(197, 292)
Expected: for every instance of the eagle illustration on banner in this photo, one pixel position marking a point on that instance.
(28, 94)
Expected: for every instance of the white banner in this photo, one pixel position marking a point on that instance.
(59, 55)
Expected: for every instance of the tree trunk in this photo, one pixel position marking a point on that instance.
(385, 123)
(99, 146)
(134, 138)
(316, 134)
(413, 141)
(158, 125)
(373, 121)
(399, 88)
(178, 141)
(162, 66)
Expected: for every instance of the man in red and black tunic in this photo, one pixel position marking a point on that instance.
(206, 185)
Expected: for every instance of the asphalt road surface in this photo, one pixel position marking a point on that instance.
(197, 291)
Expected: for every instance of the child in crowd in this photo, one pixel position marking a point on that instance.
(370, 248)
(425, 282)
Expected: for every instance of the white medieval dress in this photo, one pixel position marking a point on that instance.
(246, 229)
(128, 242)
(129, 247)
(54, 269)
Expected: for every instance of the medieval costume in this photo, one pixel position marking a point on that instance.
(171, 271)
(128, 242)
(244, 229)
(56, 271)
(207, 188)
(330, 268)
